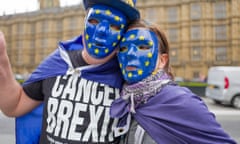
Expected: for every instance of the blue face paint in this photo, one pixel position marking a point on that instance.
(104, 27)
(138, 54)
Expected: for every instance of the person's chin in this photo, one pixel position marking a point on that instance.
(102, 59)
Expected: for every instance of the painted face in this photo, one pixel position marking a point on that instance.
(104, 27)
(138, 54)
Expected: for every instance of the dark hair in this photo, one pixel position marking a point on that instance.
(164, 45)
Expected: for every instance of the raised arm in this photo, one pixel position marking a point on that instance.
(13, 100)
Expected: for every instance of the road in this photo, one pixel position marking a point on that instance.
(227, 116)
(7, 126)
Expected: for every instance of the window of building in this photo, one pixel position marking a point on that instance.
(196, 53)
(44, 47)
(20, 28)
(59, 25)
(9, 29)
(59, 37)
(151, 14)
(196, 75)
(45, 43)
(174, 55)
(195, 11)
(32, 52)
(19, 52)
(9, 41)
(172, 14)
(33, 28)
(49, 3)
(173, 34)
(195, 32)
(221, 32)
(72, 23)
(44, 26)
(221, 53)
(220, 10)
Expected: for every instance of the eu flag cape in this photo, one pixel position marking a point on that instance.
(174, 116)
(28, 126)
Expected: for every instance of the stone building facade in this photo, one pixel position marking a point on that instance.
(202, 33)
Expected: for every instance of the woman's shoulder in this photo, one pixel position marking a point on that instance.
(176, 90)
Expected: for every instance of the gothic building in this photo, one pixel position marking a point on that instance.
(201, 33)
(43, 4)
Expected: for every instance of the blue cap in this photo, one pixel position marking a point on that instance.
(128, 7)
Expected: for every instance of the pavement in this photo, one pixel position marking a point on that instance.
(7, 129)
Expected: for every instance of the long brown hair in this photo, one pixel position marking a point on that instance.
(164, 45)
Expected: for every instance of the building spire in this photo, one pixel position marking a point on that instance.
(48, 4)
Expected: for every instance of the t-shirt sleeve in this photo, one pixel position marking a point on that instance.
(34, 90)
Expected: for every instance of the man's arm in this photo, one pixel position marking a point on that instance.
(13, 100)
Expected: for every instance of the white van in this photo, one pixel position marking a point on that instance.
(224, 85)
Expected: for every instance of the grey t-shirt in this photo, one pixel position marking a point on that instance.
(137, 135)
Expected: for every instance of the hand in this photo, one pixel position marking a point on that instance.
(5, 68)
(9, 88)
(13, 100)
(2, 53)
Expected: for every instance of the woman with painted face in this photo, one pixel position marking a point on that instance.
(76, 83)
(161, 111)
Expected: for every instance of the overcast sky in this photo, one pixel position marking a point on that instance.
(16, 6)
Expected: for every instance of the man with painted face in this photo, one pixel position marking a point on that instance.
(76, 83)
(161, 111)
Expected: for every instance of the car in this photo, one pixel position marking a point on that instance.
(179, 79)
(223, 85)
(20, 78)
